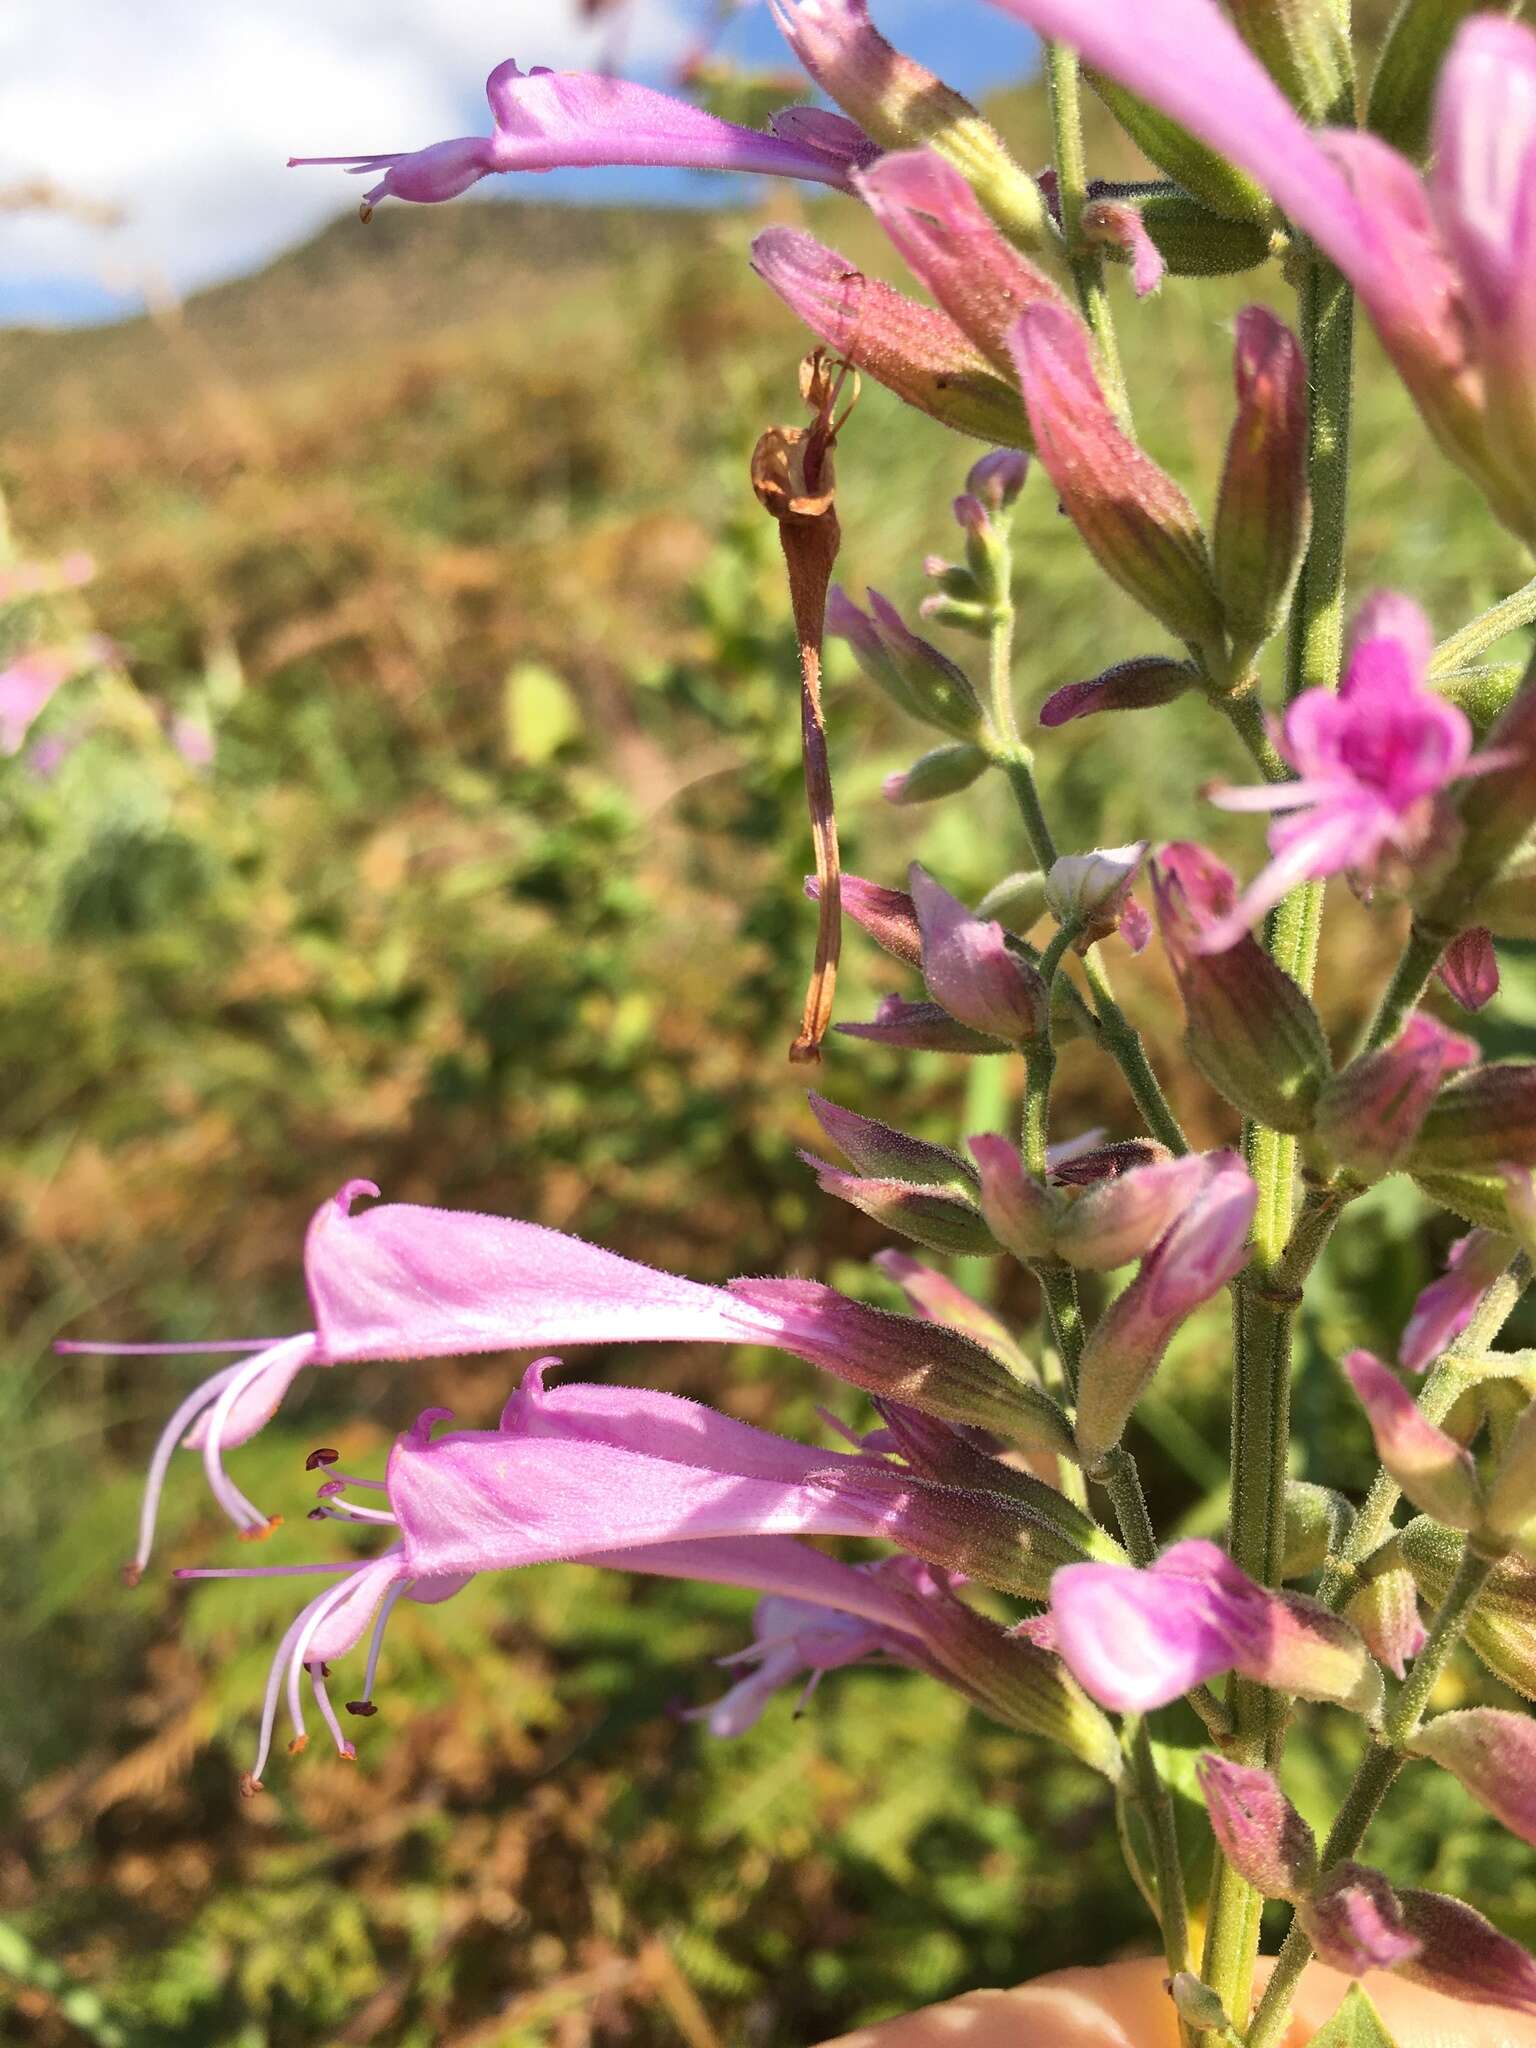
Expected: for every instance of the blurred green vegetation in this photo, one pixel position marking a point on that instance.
(492, 893)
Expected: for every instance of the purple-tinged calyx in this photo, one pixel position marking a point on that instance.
(1260, 1833)
(1386, 1611)
(1092, 893)
(545, 120)
(1139, 685)
(1464, 1955)
(910, 670)
(913, 350)
(886, 914)
(1468, 969)
(1264, 510)
(1373, 1109)
(1355, 1922)
(1136, 1640)
(1133, 517)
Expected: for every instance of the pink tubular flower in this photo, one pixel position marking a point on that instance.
(1371, 762)
(1446, 268)
(399, 1281)
(546, 120)
(1446, 1306)
(647, 1482)
(1136, 1640)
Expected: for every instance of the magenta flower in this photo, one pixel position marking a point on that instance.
(1372, 762)
(399, 1281)
(649, 1482)
(1136, 1640)
(1446, 1306)
(1446, 268)
(545, 120)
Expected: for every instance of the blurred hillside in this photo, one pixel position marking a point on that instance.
(492, 892)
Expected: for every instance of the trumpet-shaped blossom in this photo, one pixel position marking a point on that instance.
(401, 1281)
(1446, 267)
(1446, 1306)
(1371, 761)
(1136, 1640)
(545, 120)
(790, 1637)
(653, 1483)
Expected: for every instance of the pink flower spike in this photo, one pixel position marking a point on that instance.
(1433, 1470)
(1468, 969)
(1137, 1640)
(552, 120)
(1446, 1306)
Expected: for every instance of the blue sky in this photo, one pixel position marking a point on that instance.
(181, 113)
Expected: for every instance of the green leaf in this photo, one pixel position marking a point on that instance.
(1356, 2024)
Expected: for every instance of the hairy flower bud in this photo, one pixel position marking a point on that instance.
(1464, 1955)
(1355, 1922)
(920, 1027)
(1092, 893)
(1260, 1833)
(1493, 1754)
(911, 671)
(1372, 1110)
(1134, 518)
(972, 970)
(1020, 1212)
(945, 771)
(1432, 1469)
(1403, 85)
(913, 350)
(1202, 1250)
(1197, 2005)
(1511, 1515)
(1195, 241)
(1249, 1029)
(1316, 1519)
(1304, 46)
(877, 1148)
(997, 479)
(1446, 1306)
(1264, 510)
(1502, 1626)
(1480, 1121)
(886, 914)
(1468, 969)
(1017, 901)
(1193, 165)
(1139, 685)
(1385, 1609)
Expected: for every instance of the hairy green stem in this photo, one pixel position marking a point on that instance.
(1479, 634)
(1065, 91)
(1264, 1303)
(1168, 1872)
(1408, 983)
(1122, 1041)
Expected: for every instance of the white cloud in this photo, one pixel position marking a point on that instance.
(183, 111)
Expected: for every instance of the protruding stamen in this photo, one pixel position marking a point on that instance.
(323, 1456)
(375, 1645)
(261, 1530)
(200, 1398)
(364, 1709)
(344, 1749)
(297, 1633)
(250, 1784)
(298, 1350)
(298, 1745)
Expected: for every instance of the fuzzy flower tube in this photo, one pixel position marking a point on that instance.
(1060, 1289)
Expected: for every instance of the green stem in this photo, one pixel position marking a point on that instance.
(1122, 1041)
(1058, 1288)
(1071, 161)
(1264, 1304)
(1408, 983)
(1375, 1777)
(1039, 1072)
(1479, 634)
(1162, 1829)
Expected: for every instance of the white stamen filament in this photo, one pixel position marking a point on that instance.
(234, 1503)
(291, 1634)
(323, 1700)
(199, 1399)
(376, 1640)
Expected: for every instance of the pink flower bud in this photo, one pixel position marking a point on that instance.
(886, 914)
(1136, 1640)
(997, 479)
(1020, 1213)
(1464, 1955)
(1444, 1309)
(1249, 1029)
(1356, 1923)
(1120, 1219)
(1511, 1513)
(1433, 1470)
(972, 970)
(915, 351)
(1139, 685)
(920, 1027)
(954, 249)
(877, 1148)
(1132, 515)
(1469, 968)
(938, 689)
(936, 1297)
(1260, 1833)
(1205, 1247)
(1493, 1754)
(1369, 1115)
(1264, 511)
(1112, 225)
